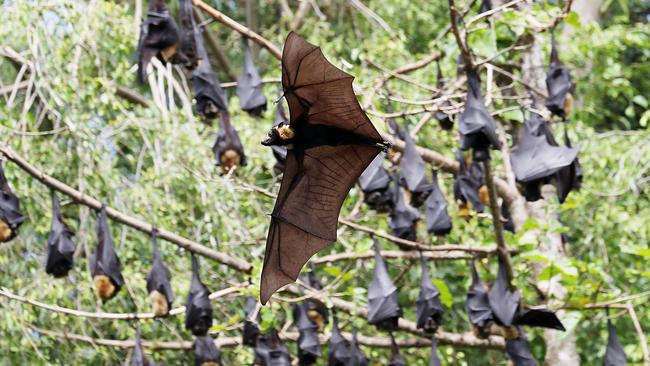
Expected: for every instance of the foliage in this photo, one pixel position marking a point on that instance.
(157, 165)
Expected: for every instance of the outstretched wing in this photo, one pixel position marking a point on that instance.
(306, 212)
(314, 86)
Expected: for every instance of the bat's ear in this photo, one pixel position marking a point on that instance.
(273, 138)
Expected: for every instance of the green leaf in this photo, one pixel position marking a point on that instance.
(573, 19)
(445, 295)
(334, 271)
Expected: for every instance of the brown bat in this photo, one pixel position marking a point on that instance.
(158, 37)
(330, 142)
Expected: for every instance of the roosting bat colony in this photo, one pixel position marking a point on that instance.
(322, 148)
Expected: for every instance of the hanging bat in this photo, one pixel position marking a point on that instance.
(206, 352)
(139, 358)
(569, 178)
(249, 85)
(187, 34)
(330, 143)
(467, 186)
(105, 265)
(428, 309)
(434, 360)
(270, 351)
(375, 185)
(486, 5)
(413, 169)
(308, 344)
(228, 149)
(316, 310)
(339, 351)
(358, 358)
(403, 217)
(445, 120)
(158, 37)
(384, 309)
(518, 351)
(478, 305)
(10, 216)
(395, 358)
(210, 96)
(537, 159)
(158, 286)
(198, 310)
(504, 301)
(558, 85)
(60, 248)
(614, 354)
(476, 126)
(437, 217)
(251, 325)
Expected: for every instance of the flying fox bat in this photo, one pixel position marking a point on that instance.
(375, 184)
(438, 220)
(105, 265)
(60, 247)
(206, 352)
(10, 216)
(339, 350)
(358, 358)
(228, 149)
(251, 329)
(308, 344)
(158, 286)
(198, 310)
(139, 358)
(413, 168)
(446, 122)
(330, 142)
(396, 358)
(518, 351)
(614, 354)
(158, 37)
(187, 34)
(428, 309)
(270, 351)
(559, 85)
(384, 309)
(249, 86)
(210, 96)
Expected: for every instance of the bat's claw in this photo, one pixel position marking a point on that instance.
(384, 146)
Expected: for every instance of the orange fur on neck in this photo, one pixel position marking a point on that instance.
(568, 104)
(168, 52)
(210, 363)
(159, 304)
(286, 132)
(484, 195)
(317, 318)
(510, 332)
(464, 209)
(230, 159)
(5, 231)
(104, 287)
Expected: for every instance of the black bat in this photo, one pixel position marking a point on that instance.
(210, 96)
(503, 301)
(469, 189)
(437, 217)
(339, 350)
(105, 265)
(569, 178)
(558, 85)
(316, 310)
(375, 185)
(249, 85)
(445, 120)
(543, 318)
(384, 309)
(518, 351)
(270, 351)
(331, 142)
(413, 168)
(358, 358)
(279, 152)
(60, 247)
(158, 36)
(206, 352)
(139, 358)
(538, 159)
(188, 34)
(228, 149)
(434, 360)
(478, 305)
(308, 344)
(251, 324)
(428, 309)
(403, 216)
(395, 358)
(158, 285)
(476, 126)
(614, 354)
(486, 5)
(10, 216)
(198, 309)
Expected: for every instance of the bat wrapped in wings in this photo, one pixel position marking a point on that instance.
(139, 358)
(105, 265)
(558, 85)
(251, 330)
(358, 358)
(518, 351)
(158, 285)
(270, 350)
(330, 143)
(308, 343)
(396, 358)
(446, 121)
(339, 351)
(428, 309)
(249, 86)
(158, 37)
(438, 220)
(60, 248)
(188, 34)
(375, 185)
(206, 352)
(614, 354)
(10, 216)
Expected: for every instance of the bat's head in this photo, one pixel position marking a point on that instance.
(281, 134)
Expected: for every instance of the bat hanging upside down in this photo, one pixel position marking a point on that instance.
(330, 142)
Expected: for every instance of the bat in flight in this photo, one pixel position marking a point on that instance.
(330, 142)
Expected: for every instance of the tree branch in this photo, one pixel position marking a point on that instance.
(225, 20)
(392, 254)
(192, 246)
